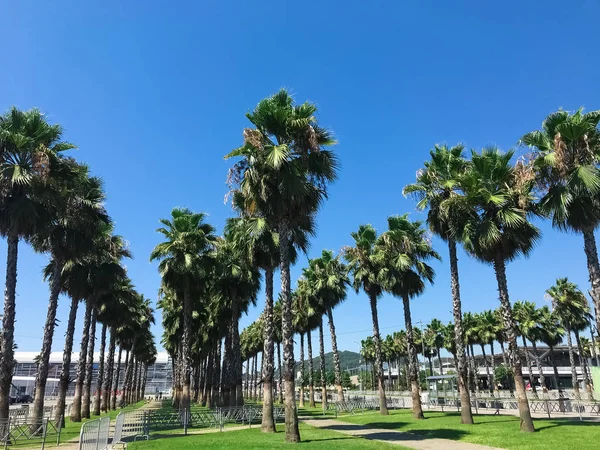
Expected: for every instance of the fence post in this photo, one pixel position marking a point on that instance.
(59, 429)
(7, 435)
(98, 434)
(44, 430)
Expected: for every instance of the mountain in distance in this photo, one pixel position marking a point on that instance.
(348, 360)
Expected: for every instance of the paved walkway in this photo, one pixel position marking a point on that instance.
(394, 437)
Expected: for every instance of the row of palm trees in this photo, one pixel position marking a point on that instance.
(51, 202)
(484, 203)
(570, 314)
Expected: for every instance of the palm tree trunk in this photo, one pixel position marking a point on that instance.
(322, 367)
(555, 370)
(127, 376)
(439, 357)
(466, 417)
(89, 364)
(226, 369)
(336, 357)
(207, 394)
(430, 364)
(302, 374)
(417, 409)
(513, 349)
(66, 365)
(591, 253)
(187, 345)
(494, 369)
(383, 410)
(487, 369)
(292, 434)
(237, 377)
(311, 381)
(100, 381)
(76, 405)
(510, 387)
(106, 391)
(44, 363)
(217, 373)
(583, 363)
(469, 386)
(7, 357)
(389, 375)
(254, 379)
(115, 385)
(529, 366)
(538, 362)
(280, 374)
(268, 421)
(475, 371)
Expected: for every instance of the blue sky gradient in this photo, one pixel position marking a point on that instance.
(154, 94)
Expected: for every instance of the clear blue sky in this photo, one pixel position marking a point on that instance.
(154, 94)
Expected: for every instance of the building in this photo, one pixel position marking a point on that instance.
(160, 374)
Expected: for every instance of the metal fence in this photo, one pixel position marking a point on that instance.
(552, 406)
(94, 434)
(29, 434)
(140, 424)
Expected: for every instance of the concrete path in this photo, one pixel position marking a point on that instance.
(394, 437)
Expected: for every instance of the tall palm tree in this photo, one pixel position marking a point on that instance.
(551, 333)
(435, 332)
(485, 329)
(497, 203)
(567, 154)
(330, 281)
(408, 252)
(29, 150)
(526, 316)
(84, 279)
(284, 172)
(436, 188)
(572, 308)
(469, 326)
(77, 216)
(365, 266)
(183, 255)
(255, 236)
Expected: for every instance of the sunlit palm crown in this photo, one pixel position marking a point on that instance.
(497, 205)
(566, 157)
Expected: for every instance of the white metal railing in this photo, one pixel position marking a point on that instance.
(94, 434)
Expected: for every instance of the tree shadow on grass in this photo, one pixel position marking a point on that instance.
(398, 435)
(327, 439)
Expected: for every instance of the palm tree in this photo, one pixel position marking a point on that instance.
(29, 151)
(365, 266)
(77, 216)
(449, 342)
(330, 279)
(183, 255)
(485, 329)
(469, 326)
(567, 153)
(436, 188)
(551, 333)
(284, 173)
(497, 204)
(254, 235)
(526, 316)
(435, 333)
(405, 247)
(573, 310)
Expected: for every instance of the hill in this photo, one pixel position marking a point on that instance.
(348, 360)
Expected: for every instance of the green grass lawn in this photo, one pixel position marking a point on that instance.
(495, 431)
(312, 439)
